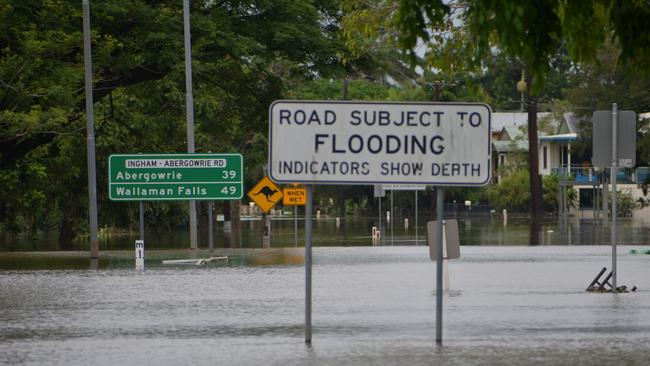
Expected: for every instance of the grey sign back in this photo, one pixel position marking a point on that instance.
(625, 139)
(450, 228)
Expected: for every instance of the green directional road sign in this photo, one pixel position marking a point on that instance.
(160, 177)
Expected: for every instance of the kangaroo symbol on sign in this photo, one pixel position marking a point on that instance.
(267, 192)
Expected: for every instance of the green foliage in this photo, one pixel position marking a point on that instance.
(334, 90)
(530, 31)
(245, 55)
(475, 195)
(551, 190)
(513, 192)
(625, 204)
(597, 85)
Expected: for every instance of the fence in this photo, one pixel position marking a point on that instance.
(589, 175)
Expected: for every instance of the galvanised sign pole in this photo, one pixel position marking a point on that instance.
(175, 177)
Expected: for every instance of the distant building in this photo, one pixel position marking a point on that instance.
(509, 138)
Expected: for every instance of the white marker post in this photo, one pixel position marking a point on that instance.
(139, 254)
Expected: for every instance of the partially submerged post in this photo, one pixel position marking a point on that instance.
(308, 227)
(139, 254)
(210, 226)
(443, 245)
(439, 217)
(141, 207)
(614, 145)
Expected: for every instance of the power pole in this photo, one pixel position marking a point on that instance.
(533, 162)
(189, 110)
(90, 134)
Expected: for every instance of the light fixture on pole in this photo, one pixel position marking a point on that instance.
(521, 88)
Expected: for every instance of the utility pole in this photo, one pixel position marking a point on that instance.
(189, 110)
(90, 134)
(533, 160)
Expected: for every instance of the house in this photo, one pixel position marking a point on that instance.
(506, 143)
(555, 150)
(556, 158)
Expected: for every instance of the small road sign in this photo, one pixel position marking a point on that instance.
(139, 254)
(294, 196)
(165, 177)
(450, 239)
(265, 194)
(403, 187)
(625, 139)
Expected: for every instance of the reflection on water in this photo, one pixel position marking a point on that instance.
(508, 305)
(356, 231)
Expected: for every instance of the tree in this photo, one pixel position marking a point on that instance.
(597, 86)
(513, 192)
(245, 55)
(531, 31)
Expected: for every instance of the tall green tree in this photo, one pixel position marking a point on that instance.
(531, 31)
(245, 55)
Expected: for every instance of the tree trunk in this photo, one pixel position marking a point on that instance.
(434, 203)
(66, 232)
(227, 210)
(533, 164)
(341, 202)
(235, 235)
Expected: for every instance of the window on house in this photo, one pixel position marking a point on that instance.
(544, 157)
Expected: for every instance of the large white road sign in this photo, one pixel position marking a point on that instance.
(445, 144)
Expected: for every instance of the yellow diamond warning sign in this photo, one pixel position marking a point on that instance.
(294, 196)
(265, 194)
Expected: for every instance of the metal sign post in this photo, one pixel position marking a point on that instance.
(379, 219)
(308, 224)
(614, 178)
(210, 226)
(439, 233)
(141, 206)
(392, 219)
(614, 145)
(416, 217)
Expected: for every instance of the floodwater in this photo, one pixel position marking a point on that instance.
(507, 305)
(356, 231)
